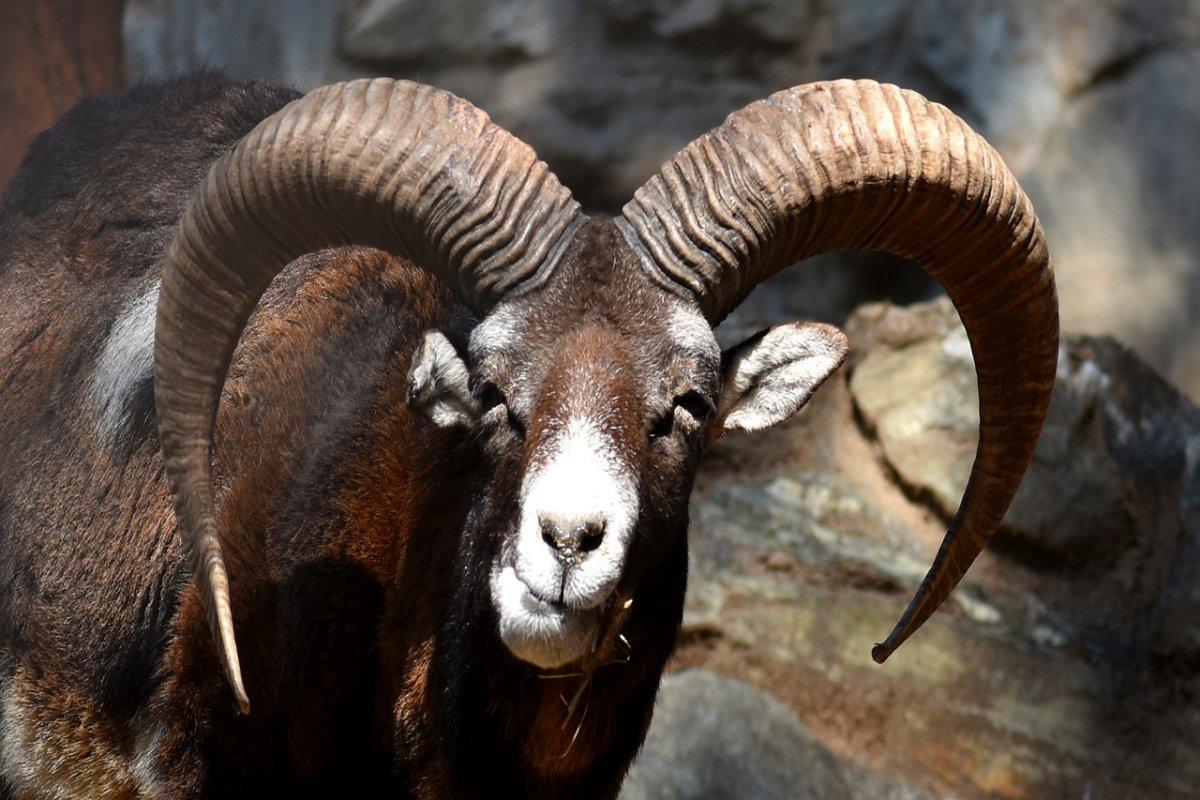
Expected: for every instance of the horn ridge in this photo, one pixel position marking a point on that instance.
(862, 165)
(389, 164)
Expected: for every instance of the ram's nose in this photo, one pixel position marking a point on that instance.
(572, 538)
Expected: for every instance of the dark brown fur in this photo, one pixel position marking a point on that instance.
(357, 534)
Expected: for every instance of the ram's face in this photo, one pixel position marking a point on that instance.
(603, 417)
(594, 401)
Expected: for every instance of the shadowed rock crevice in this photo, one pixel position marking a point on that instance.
(916, 494)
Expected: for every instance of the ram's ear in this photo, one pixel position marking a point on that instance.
(771, 375)
(439, 383)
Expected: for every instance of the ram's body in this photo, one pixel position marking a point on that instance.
(439, 554)
(343, 511)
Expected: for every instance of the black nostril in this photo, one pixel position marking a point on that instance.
(573, 538)
(550, 534)
(591, 536)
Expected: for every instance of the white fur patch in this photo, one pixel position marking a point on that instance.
(63, 755)
(582, 479)
(542, 634)
(12, 754)
(19, 758)
(542, 601)
(499, 331)
(126, 361)
(691, 331)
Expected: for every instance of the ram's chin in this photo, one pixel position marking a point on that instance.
(545, 635)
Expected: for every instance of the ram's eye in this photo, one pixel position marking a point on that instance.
(699, 406)
(692, 404)
(663, 425)
(488, 396)
(491, 400)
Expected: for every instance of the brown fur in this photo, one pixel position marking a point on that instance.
(357, 534)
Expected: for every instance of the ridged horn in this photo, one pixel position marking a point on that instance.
(860, 165)
(388, 164)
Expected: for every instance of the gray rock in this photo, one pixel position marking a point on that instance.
(291, 42)
(718, 739)
(1116, 182)
(1065, 664)
(1111, 478)
(448, 34)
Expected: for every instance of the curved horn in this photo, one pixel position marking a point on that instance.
(859, 165)
(388, 164)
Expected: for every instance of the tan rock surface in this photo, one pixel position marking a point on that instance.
(1066, 663)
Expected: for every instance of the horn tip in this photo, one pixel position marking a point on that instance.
(226, 642)
(880, 653)
(234, 673)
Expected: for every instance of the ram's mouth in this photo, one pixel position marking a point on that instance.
(546, 634)
(544, 605)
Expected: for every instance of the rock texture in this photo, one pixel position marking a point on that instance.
(283, 41)
(1066, 664)
(1117, 180)
(719, 739)
(716, 738)
(1096, 105)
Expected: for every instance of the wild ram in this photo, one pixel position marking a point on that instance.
(445, 489)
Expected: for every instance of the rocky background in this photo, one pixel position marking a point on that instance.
(1067, 665)
(1095, 104)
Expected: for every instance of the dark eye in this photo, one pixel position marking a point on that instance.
(490, 398)
(663, 425)
(700, 406)
(696, 405)
(487, 395)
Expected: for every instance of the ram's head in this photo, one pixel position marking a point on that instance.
(594, 401)
(593, 378)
